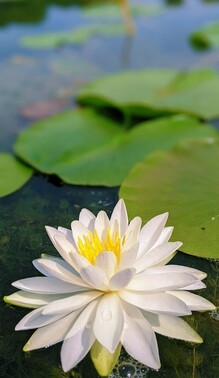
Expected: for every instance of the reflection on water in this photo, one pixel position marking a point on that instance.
(31, 11)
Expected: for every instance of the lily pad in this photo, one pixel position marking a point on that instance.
(84, 148)
(206, 37)
(76, 37)
(154, 92)
(185, 182)
(13, 174)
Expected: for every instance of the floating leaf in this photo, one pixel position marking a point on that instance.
(185, 182)
(77, 36)
(13, 174)
(154, 92)
(84, 148)
(206, 37)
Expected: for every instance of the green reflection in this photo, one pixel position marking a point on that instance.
(33, 11)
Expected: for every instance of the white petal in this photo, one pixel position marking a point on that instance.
(51, 334)
(65, 248)
(164, 236)
(107, 262)
(138, 338)
(72, 303)
(75, 348)
(51, 231)
(114, 229)
(31, 300)
(196, 286)
(156, 302)
(87, 218)
(151, 232)
(36, 319)
(79, 231)
(61, 262)
(127, 258)
(177, 269)
(193, 301)
(79, 261)
(173, 327)
(132, 234)
(85, 319)
(119, 214)
(68, 235)
(121, 279)
(161, 281)
(52, 268)
(101, 224)
(95, 277)
(156, 255)
(109, 321)
(73, 257)
(45, 285)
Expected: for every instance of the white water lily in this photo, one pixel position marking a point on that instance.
(111, 286)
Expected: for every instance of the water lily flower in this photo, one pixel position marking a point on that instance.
(110, 287)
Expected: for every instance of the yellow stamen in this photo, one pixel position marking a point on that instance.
(91, 246)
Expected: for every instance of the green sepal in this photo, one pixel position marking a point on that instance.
(103, 360)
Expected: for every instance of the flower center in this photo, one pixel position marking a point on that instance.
(91, 246)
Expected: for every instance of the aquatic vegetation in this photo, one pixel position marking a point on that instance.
(13, 174)
(184, 180)
(156, 91)
(206, 37)
(104, 291)
(97, 150)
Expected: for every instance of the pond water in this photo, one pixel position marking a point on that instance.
(30, 75)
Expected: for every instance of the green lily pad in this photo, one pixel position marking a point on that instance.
(84, 148)
(185, 182)
(13, 174)
(206, 37)
(76, 37)
(154, 92)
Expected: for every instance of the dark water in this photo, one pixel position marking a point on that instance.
(28, 76)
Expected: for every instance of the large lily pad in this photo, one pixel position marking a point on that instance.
(206, 37)
(76, 37)
(185, 182)
(13, 174)
(153, 91)
(82, 147)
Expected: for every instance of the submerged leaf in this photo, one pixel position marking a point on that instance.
(183, 181)
(84, 148)
(103, 360)
(154, 92)
(13, 174)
